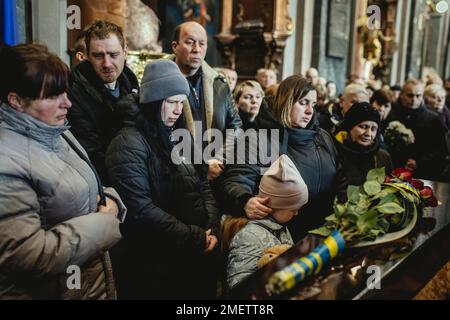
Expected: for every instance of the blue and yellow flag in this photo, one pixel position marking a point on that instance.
(297, 271)
(9, 30)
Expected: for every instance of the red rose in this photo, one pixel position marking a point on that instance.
(403, 174)
(431, 202)
(418, 184)
(428, 197)
(426, 193)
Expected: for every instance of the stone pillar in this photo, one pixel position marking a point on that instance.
(50, 25)
(356, 61)
(304, 36)
(331, 67)
(416, 43)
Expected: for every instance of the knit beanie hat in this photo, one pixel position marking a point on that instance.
(284, 185)
(360, 112)
(162, 79)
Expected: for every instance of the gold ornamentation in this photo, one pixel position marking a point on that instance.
(137, 60)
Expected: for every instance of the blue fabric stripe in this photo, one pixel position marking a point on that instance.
(340, 240)
(323, 252)
(314, 261)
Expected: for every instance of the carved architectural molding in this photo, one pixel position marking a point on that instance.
(254, 27)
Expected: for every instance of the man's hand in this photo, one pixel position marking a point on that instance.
(411, 164)
(110, 207)
(215, 169)
(256, 208)
(211, 241)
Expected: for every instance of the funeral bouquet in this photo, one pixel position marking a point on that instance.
(383, 205)
(397, 135)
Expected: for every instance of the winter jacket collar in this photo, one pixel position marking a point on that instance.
(26, 125)
(298, 137)
(268, 223)
(209, 76)
(85, 74)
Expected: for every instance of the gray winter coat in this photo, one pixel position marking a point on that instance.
(248, 246)
(48, 215)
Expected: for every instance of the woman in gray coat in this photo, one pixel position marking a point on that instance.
(54, 234)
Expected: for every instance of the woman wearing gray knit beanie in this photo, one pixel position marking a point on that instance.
(170, 236)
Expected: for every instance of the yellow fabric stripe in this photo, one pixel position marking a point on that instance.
(299, 269)
(309, 264)
(332, 245)
(319, 261)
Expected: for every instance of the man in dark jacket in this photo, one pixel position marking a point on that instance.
(427, 154)
(96, 87)
(330, 117)
(210, 101)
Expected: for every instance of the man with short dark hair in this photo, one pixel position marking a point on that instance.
(330, 116)
(427, 155)
(210, 100)
(78, 52)
(97, 88)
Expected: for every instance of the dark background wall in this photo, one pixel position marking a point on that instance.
(331, 68)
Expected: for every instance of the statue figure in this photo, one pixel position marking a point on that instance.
(142, 27)
(371, 46)
(197, 11)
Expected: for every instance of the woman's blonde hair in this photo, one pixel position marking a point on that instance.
(249, 83)
(290, 91)
(434, 90)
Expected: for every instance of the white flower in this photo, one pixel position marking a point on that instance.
(398, 129)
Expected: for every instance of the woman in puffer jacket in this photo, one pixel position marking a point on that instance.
(171, 232)
(311, 149)
(54, 231)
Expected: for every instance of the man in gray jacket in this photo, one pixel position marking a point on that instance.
(210, 100)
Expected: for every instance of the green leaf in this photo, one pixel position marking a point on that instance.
(385, 190)
(376, 232)
(383, 224)
(390, 208)
(322, 231)
(377, 174)
(331, 218)
(363, 204)
(339, 209)
(388, 198)
(353, 194)
(372, 187)
(367, 221)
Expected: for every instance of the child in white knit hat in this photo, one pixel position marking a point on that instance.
(259, 241)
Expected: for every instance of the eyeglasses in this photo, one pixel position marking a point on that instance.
(412, 95)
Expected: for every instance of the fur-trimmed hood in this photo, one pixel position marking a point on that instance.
(209, 77)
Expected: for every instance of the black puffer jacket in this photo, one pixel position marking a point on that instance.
(430, 147)
(315, 156)
(169, 209)
(358, 161)
(94, 116)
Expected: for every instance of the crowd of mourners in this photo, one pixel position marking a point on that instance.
(89, 177)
